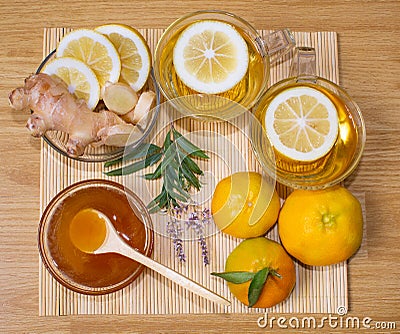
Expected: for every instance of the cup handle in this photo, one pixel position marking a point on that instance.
(303, 65)
(278, 43)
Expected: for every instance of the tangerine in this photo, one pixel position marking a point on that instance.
(321, 227)
(255, 254)
(245, 205)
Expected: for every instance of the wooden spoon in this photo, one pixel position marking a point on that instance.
(106, 240)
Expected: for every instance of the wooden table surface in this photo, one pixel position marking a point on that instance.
(369, 71)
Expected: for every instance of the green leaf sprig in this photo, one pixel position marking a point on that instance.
(175, 166)
(257, 279)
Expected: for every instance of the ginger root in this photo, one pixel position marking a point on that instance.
(119, 97)
(55, 108)
(140, 113)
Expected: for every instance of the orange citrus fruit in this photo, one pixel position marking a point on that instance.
(255, 254)
(245, 205)
(321, 227)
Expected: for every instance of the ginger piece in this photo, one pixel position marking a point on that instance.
(119, 97)
(116, 135)
(120, 135)
(140, 113)
(55, 108)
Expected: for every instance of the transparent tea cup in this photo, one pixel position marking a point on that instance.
(263, 51)
(341, 159)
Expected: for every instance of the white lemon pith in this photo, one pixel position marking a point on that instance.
(133, 51)
(302, 123)
(210, 56)
(80, 79)
(95, 50)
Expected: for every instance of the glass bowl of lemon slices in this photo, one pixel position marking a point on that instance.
(119, 55)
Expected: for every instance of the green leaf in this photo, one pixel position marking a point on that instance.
(155, 175)
(236, 277)
(159, 202)
(173, 186)
(189, 163)
(167, 141)
(256, 286)
(172, 175)
(136, 166)
(177, 196)
(174, 163)
(140, 151)
(190, 177)
(145, 151)
(173, 203)
(188, 146)
(113, 162)
(178, 171)
(170, 156)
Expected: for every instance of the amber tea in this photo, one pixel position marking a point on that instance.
(324, 170)
(244, 93)
(213, 64)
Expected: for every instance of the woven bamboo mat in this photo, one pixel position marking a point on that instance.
(318, 289)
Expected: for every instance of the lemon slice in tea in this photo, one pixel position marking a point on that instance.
(210, 56)
(302, 123)
(95, 50)
(80, 79)
(133, 51)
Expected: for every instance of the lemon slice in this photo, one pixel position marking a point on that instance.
(302, 123)
(133, 52)
(95, 50)
(80, 79)
(210, 56)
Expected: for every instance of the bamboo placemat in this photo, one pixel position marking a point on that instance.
(318, 289)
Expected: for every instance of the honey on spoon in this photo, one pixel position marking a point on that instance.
(92, 232)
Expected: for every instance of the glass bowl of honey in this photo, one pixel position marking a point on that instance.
(86, 273)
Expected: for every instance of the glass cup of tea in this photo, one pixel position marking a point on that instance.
(309, 133)
(213, 64)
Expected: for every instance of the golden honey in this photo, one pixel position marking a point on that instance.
(88, 230)
(101, 270)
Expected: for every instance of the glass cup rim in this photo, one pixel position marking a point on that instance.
(305, 183)
(118, 152)
(172, 26)
(249, 29)
(203, 12)
(44, 222)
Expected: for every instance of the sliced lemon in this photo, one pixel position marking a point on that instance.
(95, 50)
(302, 123)
(210, 56)
(80, 79)
(133, 52)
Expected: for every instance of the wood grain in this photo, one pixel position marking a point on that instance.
(369, 71)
